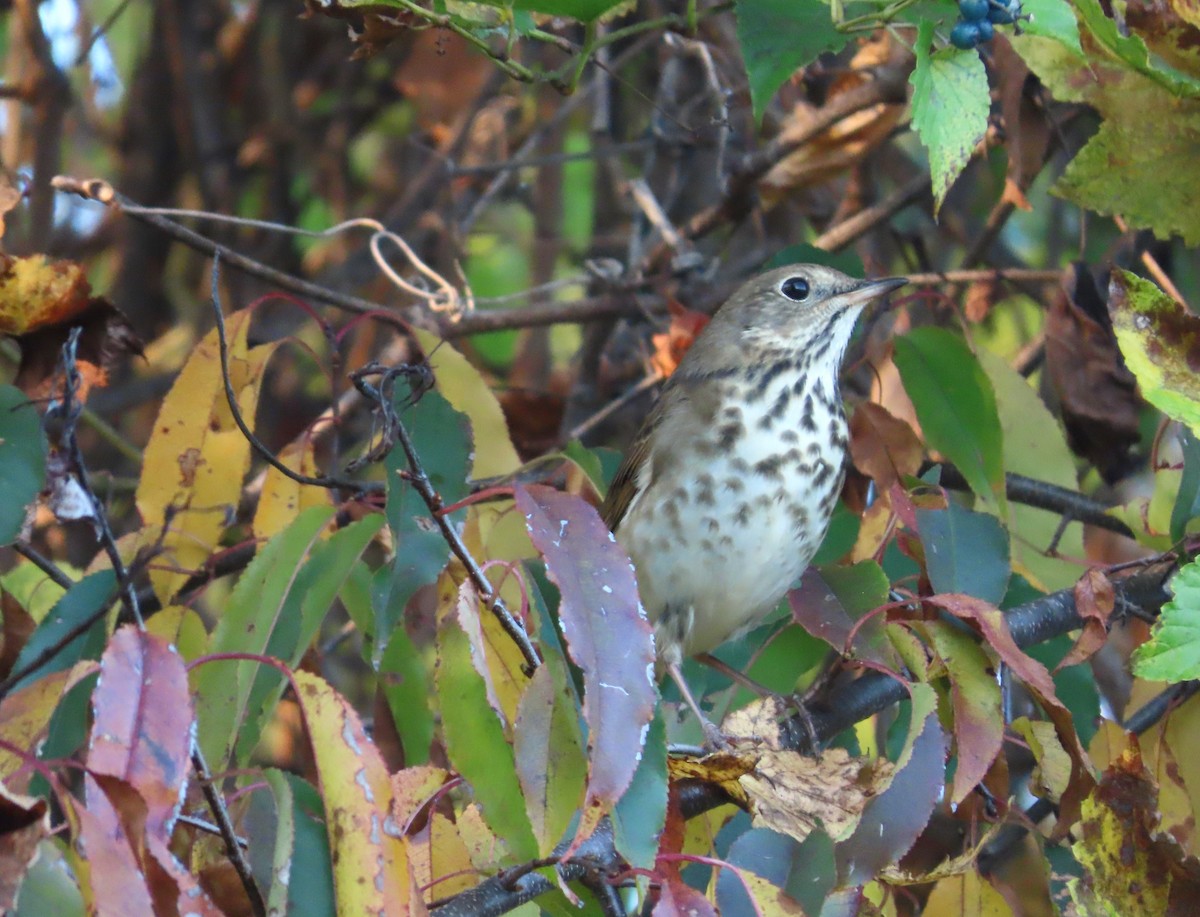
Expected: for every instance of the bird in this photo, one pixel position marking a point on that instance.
(727, 490)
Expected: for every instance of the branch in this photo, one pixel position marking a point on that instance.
(421, 483)
(1044, 495)
(216, 804)
(889, 85)
(1030, 624)
(102, 192)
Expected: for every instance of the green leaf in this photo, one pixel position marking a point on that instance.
(1143, 167)
(1141, 163)
(641, 812)
(965, 551)
(1035, 446)
(23, 458)
(275, 610)
(442, 439)
(1160, 341)
(1187, 501)
(475, 740)
(1131, 50)
(85, 599)
(1053, 19)
(301, 870)
(950, 107)
(776, 37)
(549, 754)
(407, 685)
(1173, 651)
(1075, 685)
(956, 407)
(975, 694)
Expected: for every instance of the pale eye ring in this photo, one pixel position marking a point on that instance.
(795, 288)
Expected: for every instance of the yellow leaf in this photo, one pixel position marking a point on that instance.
(969, 895)
(371, 872)
(197, 458)
(25, 716)
(283, 499)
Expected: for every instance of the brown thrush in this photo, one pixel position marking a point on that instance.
(727, 492)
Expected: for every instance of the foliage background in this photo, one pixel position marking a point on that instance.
(227, 689)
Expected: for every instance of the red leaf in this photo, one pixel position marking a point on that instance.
(991, 624)
(607, 635)
(144, 723)
(119, 887)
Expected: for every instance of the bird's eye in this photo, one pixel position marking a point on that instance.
(795, 289)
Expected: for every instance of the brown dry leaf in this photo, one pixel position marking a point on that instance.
(722, 768)
(16, 626)
(844, 144)
(534, 419)
(882, 446)
(1094, 602)
(372, 27)
(1097, 394)
(1027, 129)
(951, 866)
(758, 722)
(670, 346)
(979, 299)
(793, 794)
(24, 821)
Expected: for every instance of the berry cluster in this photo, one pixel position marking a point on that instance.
(978, 18)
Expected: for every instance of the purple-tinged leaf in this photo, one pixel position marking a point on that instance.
(607, 635)
(143, 723)
(893, 820)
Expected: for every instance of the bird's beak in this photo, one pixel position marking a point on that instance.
(867, 290)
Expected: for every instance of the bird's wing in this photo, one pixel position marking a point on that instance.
(691, 403)
(624, 484)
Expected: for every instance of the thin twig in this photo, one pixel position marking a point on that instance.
(433, 501)
(327, 481)
(216, 804)
(865, 220)
(104, 193)
(45, 564)
(67, 412)
(419, 479)
(1011, 274)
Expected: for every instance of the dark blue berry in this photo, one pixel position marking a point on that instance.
(965, 35)
(973, 10)
(1003, 12)
(986, 31)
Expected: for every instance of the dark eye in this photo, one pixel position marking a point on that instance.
(795, 289)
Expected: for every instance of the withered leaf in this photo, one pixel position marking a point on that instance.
(1096, 392)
